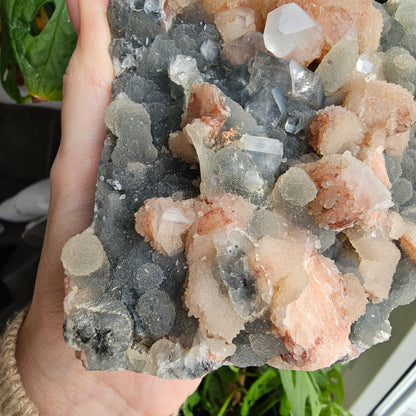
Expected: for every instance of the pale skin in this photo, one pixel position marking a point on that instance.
(54, 379)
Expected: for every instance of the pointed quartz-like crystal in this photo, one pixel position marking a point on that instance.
(290, 33)
(306, 85)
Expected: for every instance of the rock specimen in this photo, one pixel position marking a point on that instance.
(248, 210)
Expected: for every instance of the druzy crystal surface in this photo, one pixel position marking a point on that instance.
(249, 209)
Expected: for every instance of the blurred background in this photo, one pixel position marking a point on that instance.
(29, 139)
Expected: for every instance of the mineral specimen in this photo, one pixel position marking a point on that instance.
(249, 209)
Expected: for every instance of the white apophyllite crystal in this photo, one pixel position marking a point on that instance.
(290, 33)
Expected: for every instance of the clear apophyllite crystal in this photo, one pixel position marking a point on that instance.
(290, 33)
(154, 8)
(370, 64)
(306, 85)
(266, 153)
(183, 70)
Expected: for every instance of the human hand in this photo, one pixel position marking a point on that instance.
(53, 378)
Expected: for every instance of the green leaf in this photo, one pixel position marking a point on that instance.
(336, 385)
(213, 392)
(267, 382)
(192, 401)
(42, 59)
(267, 404)
(8, 65)
(301, 388)
(285, 407)
(295, 392)
(228, 400)
(228, 374)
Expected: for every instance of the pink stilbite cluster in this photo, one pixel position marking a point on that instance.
(164, 223)
(353, 194)
(379, 257)
(408, 240)
(316, 325)
(348, 191)
(387, 112)
(303, 290)
(206, 110)
(335, 130)
(203, 225)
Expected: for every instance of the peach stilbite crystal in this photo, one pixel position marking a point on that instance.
(235, 23)
(217, 6)
(356, 298)
(379, 221)
(379, 257)
(408, 240)
(335, 130)
(206, 225)
(206, 100)
(348, 191)
(206, 112)
(170, 8)
(313, 306)
(387, 111)
(163, 223)
(320, 336)
(277, 263)
(181, 147)
(375, 159)
(205, 302)
(398, 226)
(216, 221)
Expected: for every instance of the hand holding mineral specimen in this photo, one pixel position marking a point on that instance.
(53, 377)
(249, 210)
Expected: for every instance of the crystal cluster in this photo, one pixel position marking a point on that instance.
(249, 209)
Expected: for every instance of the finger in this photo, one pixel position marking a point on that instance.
(73, 10)
(87, 91)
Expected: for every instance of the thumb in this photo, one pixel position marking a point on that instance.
(73, 10)
(86, 93)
